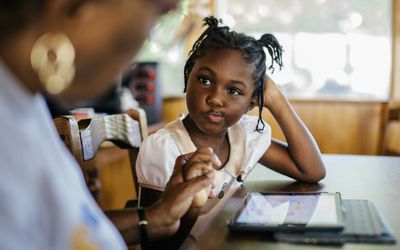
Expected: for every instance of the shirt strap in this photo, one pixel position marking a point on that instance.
(181, 137)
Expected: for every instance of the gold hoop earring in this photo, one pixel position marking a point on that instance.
(52, 58)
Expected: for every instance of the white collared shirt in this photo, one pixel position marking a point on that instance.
(157, 155)
(44, 201)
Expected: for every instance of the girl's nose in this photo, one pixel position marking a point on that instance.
(215, 99)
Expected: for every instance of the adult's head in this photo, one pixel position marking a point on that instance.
(104, 35)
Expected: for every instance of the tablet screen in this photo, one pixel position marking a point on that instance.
(294, 210)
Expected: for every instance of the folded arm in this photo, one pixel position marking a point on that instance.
(300, 157)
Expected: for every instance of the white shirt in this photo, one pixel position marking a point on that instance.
(157, 155)
(44, 201)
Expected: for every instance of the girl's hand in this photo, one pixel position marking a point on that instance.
(203, 160)
(271, 90)
(180, 192)
(217, 180)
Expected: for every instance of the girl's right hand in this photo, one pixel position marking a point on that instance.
(192, 177)
(201, 161)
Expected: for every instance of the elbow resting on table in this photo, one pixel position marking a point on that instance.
(318, 177)
(314, 176)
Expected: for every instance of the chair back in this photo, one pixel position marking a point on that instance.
(83, 138)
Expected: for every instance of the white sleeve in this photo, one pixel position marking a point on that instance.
(156, 160)
(12, 223)
(256, 142)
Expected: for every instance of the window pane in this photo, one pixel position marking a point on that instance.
(333, 48)
(167, 49)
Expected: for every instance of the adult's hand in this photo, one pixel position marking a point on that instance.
(193, 173)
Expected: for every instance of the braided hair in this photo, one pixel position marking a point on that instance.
(221, 37)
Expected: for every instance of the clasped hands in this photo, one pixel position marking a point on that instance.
(188, 188)
(202, 161)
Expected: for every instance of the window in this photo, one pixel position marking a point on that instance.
(168, 41)
(332, 48)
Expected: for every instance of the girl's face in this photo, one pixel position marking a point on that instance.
(220, 90)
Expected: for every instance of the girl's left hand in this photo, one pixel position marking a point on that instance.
(217, 180)
(270, 91)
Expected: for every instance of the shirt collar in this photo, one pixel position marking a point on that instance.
(235, 137)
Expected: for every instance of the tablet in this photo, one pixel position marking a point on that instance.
(287, 212)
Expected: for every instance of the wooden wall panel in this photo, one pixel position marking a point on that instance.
(395, 85)
(173, 107)
(340, 127)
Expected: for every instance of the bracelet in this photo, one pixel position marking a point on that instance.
(143, 228)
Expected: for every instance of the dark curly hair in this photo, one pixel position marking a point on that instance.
(221, 37)
(16, 14)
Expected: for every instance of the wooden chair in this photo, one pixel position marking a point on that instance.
(84, 137)
(391, 145)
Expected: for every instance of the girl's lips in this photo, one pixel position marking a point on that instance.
(215, 118)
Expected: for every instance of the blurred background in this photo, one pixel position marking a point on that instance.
(333, 48)
(340, 62)
(341, 73)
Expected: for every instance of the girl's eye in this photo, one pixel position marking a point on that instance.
(233, 91)
(204, 81)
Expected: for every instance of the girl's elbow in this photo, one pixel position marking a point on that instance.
(315, 176)
(319, 175)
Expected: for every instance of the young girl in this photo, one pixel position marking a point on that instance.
(224, 79)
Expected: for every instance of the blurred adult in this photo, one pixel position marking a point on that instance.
(72, 50)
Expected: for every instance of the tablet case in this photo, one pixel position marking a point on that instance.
(363, 224)
(289, 228)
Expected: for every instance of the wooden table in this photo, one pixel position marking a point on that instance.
(375, 178)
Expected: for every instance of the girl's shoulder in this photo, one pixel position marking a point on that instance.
(161, 135)
(172, 136)
(249, 125)
(248, 118)
(165, 134)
